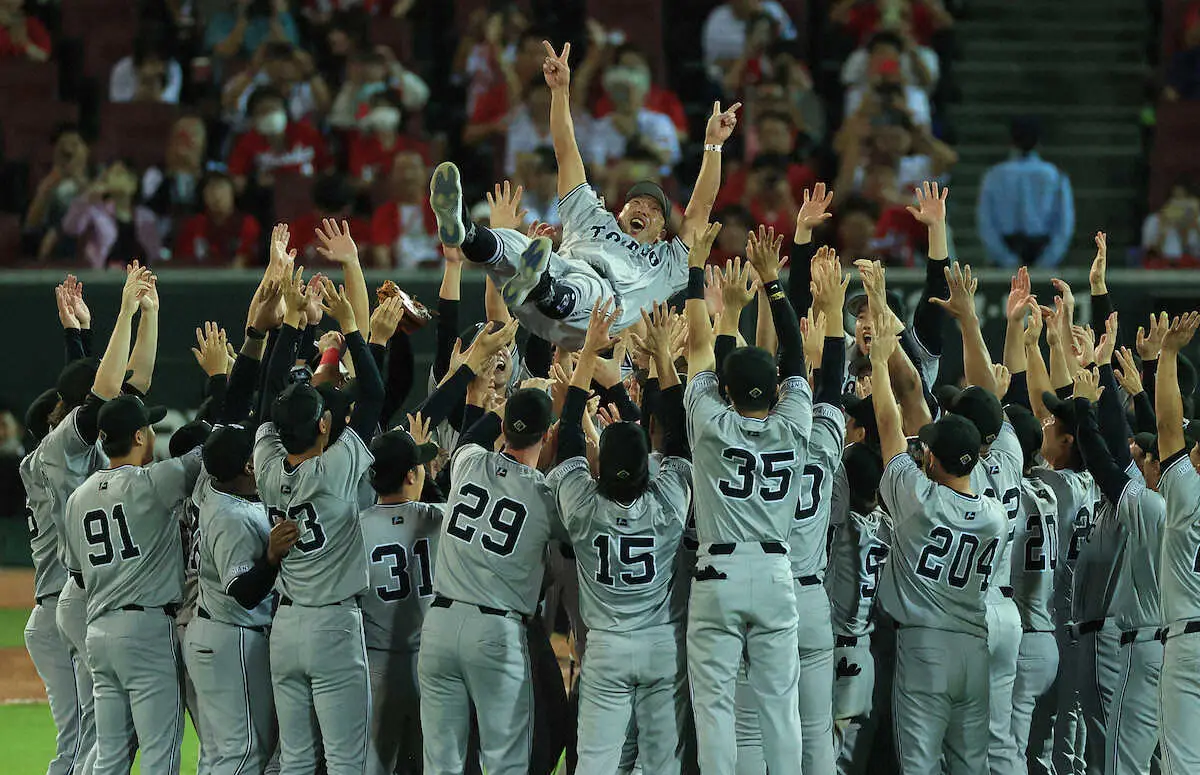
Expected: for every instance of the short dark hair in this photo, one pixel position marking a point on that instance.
(1026, 132)
(859, 204)
(116, 446)
(885, 38)
(214, 176)
(65, 128)
(631, 48)
(262, 94)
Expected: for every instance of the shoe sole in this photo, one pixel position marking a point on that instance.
(445, 198)
(532, 264)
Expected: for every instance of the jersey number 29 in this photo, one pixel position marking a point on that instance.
(504, 523)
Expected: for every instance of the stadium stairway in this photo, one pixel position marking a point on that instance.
(1079, 66)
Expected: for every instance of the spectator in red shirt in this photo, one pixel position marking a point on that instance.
(21, 36)
(403, 229)
(493, 108)
(375, 146)
(863, 18)
(275, 145)
(333, 197)
(768, 194)
(775, 136)
(602, 55)
(736, 222)
(219, 235)
(856, 220)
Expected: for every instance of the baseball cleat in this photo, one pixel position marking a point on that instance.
(446, 200)
(530, 267)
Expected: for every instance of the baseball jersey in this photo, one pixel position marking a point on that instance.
(944, 544)
(328, 564)
(1035, 555)
(858, 550)
(1179, 485)
(401, 541)
(499, 519)
(122, 535)
(1140, 514)
(63, 461)
(233, 536)
(639, 274)
(1076, 493)
(746, 468)
(624, 555)
(998, 475)
(49, 575)
(811, 528)
(188, 517)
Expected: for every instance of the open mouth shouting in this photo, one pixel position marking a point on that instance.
(637, 224)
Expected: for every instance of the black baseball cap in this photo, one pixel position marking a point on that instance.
(861, 410)
(654, 191)
(1147, 442)
(188, 437)
(624, 460)
(1062, 408)
(750, 376)
(864, 470)
(125, 415)
(227, 450)
(954, 441)
(75, 381)
(895, 302)
(976, 404)
(1028, 430)
(296, 413)
(527, 415)
(396, 453)
(37, 416)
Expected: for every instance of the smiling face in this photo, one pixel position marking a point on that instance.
(643, 219)
(863, 331)
(1057, 443)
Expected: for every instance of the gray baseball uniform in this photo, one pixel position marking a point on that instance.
(490, 562)
(318, 652)
(934, 585)
(226, 647)
(1179, 686)
(47, 648)
(187, 515)
(634, 664)
(401, 541)
(743, 596)
(1132, 733)
(596, 260)
(123, 538)
(1035, 558)
(998, 475)
(57, 467)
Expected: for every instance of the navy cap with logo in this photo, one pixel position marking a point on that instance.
(1028, 430)
(37, 416)
(979, 406)
(1147, 442)
(654, 191)
(864, 470)
(188, 437)
(861, 410)
(750, 376)
(624, 459)
(125, 415)
(296, 413)
(1061, 408)
(227, 450)
(75, 381)
(954, 441)
(527, 414)
(396, 453)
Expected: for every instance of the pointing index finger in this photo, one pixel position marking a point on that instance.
(733, 108)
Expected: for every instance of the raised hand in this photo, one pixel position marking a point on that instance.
(1149, 345)
(961, 303)
(210, 349)
(762, 250)
(1183, 328)
(74, 296)
(331, 340)
(295, 294)
(137, 285)
(812, 335)
(1087, 384)
(1054, 318)
(599, 324)
(1020, 295)
(931, 204)
(492, 338)
(418, 428)
(884, 339)
(1003, 378)
(336, 302)
(555, 67)
(659, 325)
(266, 312)
(313, 312)
(721, 123)
(1083, 344)
(608, 370)
(737, 286)
(829, 283)
(385, 319)
(149, 300)
(1129, 377)
(66, 315)
(714, 287)
(336, 243)
(1033, 325)
(1068, 297)
(702, 245)
(538, 229)
(814, 209)
(281, 260)
(1108, 340)
(1097, 276)
(506, 206)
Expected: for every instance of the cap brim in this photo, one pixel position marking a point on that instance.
(155, 414)
(946, 395)
(928, 434)
(856, 303)
(426, 453)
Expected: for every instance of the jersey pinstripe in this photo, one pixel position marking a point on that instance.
(808, 540)
(858, 550)
(401, 541)
(1035, 555)
(1180, 578)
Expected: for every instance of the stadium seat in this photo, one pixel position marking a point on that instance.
(27, 83)
(396, 34)
(82, 18)
(27, 132)
(10, 238)
(135, 130)
(293, 197)
(103, 48)
(1175, 152)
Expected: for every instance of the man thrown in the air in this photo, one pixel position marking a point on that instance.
(624, 257)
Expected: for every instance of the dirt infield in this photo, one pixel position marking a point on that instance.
(16, 588)
(19, 682)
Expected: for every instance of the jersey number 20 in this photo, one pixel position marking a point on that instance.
(505, 521)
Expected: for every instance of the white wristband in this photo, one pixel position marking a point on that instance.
(711, 147)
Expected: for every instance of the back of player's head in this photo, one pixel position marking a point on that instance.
(227, 451)
(337, 402)
(624, 462)
(75, 381)
(1026, 131)
(1028, 430)
(979, 406)
(120, 420)
(1148, 443)
(954, 442)
(37, 416)
(527, 416)
(396, 454)
(297, 413)
(187, 437)
(864, 470)
(750, 376)
(862, 412)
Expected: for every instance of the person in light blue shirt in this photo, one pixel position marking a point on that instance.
(1026, 210)
(239, 28)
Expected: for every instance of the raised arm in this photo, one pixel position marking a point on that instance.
(977, 363)
(1037, 377)
(369, 402)
(1105, 466)
(762, 249)
(700, 355)
(571, 173)
(336, 245)
(1061, 371)
(145, 348)
(814, 211)
(111, 372)
(1168, 403)
(928, 318)
(571, 440)
(1130, 380)
(887, 413)
(1114, 425)
(704, 195)
(829, 298)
